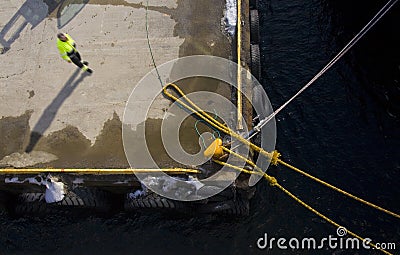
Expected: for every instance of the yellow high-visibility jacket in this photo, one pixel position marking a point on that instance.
(66, 47)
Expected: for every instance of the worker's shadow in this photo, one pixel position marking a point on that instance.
(33, 12)
(51, 110)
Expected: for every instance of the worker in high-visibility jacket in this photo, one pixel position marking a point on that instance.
(67, 47)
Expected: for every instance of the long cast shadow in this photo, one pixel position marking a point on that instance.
(34, 12)
(51, 110)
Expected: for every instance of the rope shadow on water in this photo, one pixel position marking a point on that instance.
(51, 110)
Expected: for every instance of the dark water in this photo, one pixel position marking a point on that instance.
(344, 129)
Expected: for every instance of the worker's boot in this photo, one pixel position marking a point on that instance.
(85, 68)
(85, 63)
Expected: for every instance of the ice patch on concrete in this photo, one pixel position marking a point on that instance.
(230, 18)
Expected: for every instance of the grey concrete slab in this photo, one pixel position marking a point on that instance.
(111, 35)
(117, 52)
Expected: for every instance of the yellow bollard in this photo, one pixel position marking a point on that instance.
(215, 149)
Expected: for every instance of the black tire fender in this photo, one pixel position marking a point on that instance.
(255, 61)
(253, 4)
(254, 27)
(234, 207)
(153, 201)
(79, 198)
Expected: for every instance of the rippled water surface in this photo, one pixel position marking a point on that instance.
(344, 129)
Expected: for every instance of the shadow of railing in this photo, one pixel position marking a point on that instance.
(33, 12)
(68, 11)
(51, 110)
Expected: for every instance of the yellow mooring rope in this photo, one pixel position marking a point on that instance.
(239, 65)
(279, 161)
(97, 171)
(273, 182)
(339, 190)
(272, 156)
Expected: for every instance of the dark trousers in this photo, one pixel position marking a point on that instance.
(76, 58)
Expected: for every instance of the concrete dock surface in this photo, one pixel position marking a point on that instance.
(50, 105)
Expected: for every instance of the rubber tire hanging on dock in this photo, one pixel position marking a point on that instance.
(80, 198)
(4, 200)
(253, 4)
(254, 27)
(255, 61)
(227, 194)
(233, 207)
(154, 201)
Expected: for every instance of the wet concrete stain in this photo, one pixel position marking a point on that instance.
(109, 146)
(198, 22)
(71, 147)
(14, 131)
(188, 137)
(74, 150)
(153, 142)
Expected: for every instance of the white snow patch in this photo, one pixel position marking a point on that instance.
(78, 181)
(180, 188)
(54, 190)
(151, 181)
(121, 182)
(137, 193)
(230, 18)
(29, 180)
(169, 185)
(195, 182)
